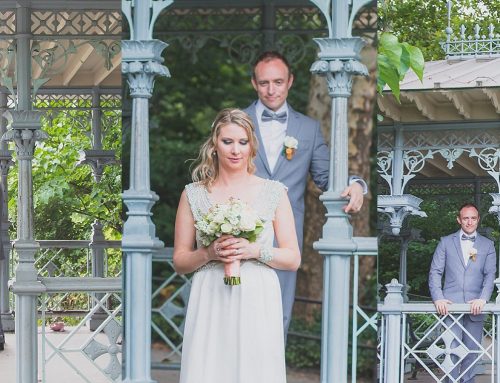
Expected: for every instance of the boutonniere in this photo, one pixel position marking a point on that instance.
(290, 145)
(472, 254)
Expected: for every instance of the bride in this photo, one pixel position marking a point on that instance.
(234, 334)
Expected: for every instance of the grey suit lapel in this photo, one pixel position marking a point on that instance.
(292, 129)
(456, 241)
(261, 152)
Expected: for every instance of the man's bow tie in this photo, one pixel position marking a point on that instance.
(468, 238)
(269, 116)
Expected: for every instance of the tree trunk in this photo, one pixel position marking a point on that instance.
(361, 106)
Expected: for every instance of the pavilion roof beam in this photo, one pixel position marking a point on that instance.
(460, 103)
(388, 107)
(494, 96)
(429, 172)
(425, 107)
(76, 63)
(102, 73)
(470, 165)
(440, 164)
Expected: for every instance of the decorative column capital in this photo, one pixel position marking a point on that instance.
(398, 207)
(25, 131)
(141, 63)
(339, 62)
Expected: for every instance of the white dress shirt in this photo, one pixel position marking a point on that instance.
(273, 133)
(466, 245)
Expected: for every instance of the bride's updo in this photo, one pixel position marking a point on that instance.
(207, 168)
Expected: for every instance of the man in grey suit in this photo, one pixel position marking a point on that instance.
(275, 120)
(468, 262)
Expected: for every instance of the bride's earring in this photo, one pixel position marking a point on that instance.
(214, 153)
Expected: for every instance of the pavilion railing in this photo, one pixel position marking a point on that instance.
(92, 356)
(71, 258)
(415, 339)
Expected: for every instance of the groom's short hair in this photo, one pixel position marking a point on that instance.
(268, 56)
(465, 205)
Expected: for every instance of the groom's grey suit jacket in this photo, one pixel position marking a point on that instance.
(462, 281)
(311, 157)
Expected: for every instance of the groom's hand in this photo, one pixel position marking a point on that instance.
(476, 306)
(442, 306)
(355, 194)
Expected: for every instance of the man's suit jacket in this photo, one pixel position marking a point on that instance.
(311, 157)
(462, 281)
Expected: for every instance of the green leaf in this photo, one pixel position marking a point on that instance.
(417, 61)
(390, 48)
(387, 74)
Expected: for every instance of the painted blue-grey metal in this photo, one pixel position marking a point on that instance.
(7, 318)
(392, 335)
(432, 344)
(466, 46)
(338, 61)
(25, 131)
(141, 63)
(495, 208)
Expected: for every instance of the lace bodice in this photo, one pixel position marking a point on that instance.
(265, 205)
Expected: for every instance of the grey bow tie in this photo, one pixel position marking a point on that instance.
(269, 116)
(468, 238)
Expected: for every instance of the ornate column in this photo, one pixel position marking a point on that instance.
(24, 132)
(97, 159)
(338, 60)
(392, 337)
(6, 317)
(141, 63)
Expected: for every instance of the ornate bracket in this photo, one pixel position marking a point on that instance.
(97, 159)
(141, 63)
(156, 7)
(398, 207)
(333, 15)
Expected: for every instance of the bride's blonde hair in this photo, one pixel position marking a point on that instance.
(207, 168)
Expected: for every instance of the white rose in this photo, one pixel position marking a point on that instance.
(218, 218)
(226, 228)
(291, 142)
(247, 223)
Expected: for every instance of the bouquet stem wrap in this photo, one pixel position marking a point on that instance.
(232, 273)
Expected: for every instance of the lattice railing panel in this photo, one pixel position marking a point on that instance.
(427, 346)
(91, 356)
(169, 304)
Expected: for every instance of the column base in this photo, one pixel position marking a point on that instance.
(8, 322)
(96, 320)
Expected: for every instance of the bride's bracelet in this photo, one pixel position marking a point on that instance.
(266, 254)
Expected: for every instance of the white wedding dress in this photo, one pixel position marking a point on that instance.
(234, 334)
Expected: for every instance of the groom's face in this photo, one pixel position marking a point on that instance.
(468, 219)
(272, 80)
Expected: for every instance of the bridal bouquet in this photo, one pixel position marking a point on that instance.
(234, 218)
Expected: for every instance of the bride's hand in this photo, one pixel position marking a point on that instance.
(239, 248)
(216, 251)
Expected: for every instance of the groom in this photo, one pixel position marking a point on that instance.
(468, 262)
(274, 119)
